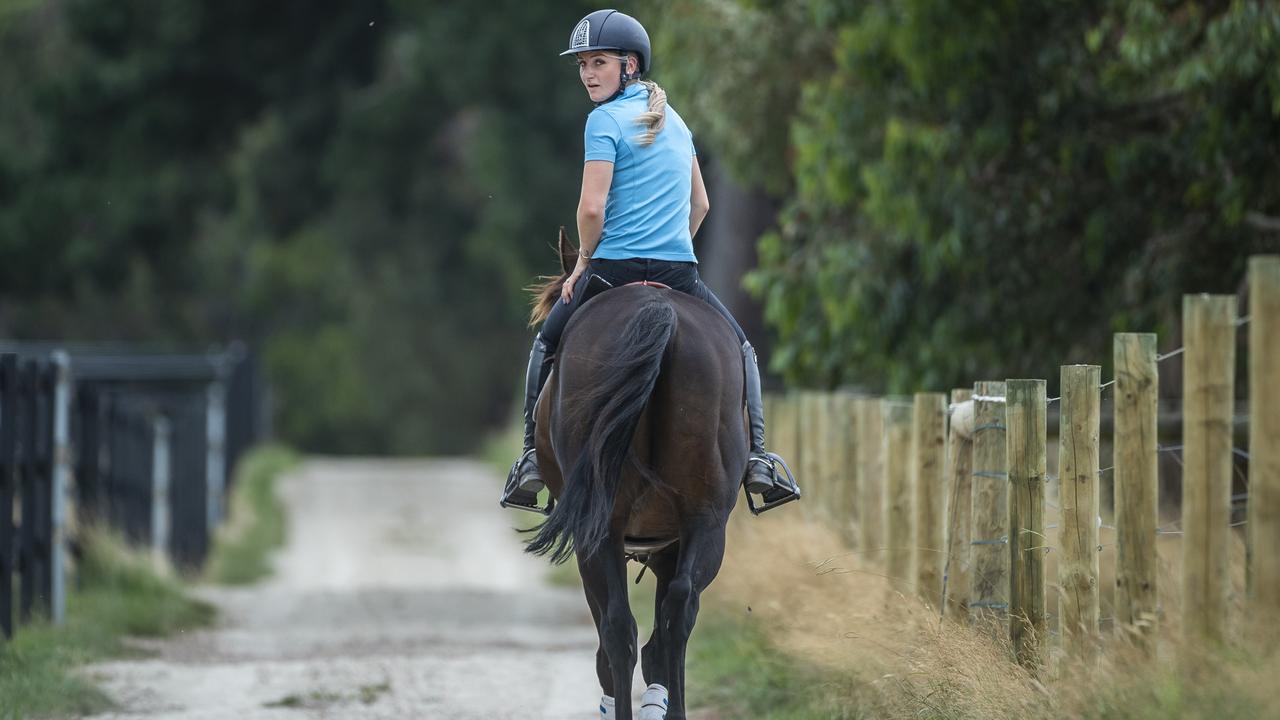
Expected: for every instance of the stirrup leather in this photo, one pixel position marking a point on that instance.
(515, 497)
(787, 485)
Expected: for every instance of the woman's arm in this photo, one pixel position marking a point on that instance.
(597, 176)
(699, 203)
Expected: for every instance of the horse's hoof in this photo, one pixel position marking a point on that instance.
(653, 703)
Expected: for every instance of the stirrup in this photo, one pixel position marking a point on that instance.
(513, 496)
(784, 490)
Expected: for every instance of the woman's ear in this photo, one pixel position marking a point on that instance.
(568, 253)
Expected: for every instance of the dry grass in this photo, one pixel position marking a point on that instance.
(880, 652)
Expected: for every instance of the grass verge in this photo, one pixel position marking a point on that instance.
(799, 626)
(120, 594)
(733, 668)
(257, 523)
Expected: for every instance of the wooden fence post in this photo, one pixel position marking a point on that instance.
(928, 452)
(830, 452)
(810, 436)
(897, 430)
(1078, 436)
(1264, 429)
(869, 452)
(846, 469)
(989, 579)
(1136, 505)
(955, 573)
(784, 431)
(1025, 442)
(1208, 389)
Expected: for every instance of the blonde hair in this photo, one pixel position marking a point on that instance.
(655, 118)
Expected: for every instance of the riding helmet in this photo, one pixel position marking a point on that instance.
(611, 30)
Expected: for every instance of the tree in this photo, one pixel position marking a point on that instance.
(992, 189)
(362, 190)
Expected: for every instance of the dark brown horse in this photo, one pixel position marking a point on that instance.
(642, 439)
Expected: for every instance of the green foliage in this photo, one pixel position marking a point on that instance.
(118, 594)
(967, 190)
(362, 190)
(991, 190)
(257, 524)
(733, 67)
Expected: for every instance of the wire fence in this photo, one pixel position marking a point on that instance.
(974, 580)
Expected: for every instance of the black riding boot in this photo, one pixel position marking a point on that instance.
(762, 476)
(524, 482)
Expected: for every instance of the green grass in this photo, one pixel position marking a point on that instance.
(257, 523)
(120, 594)
(731, 667)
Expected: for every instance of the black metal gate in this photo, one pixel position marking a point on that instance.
(145, 443)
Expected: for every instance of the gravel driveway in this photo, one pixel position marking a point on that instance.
(402, 592)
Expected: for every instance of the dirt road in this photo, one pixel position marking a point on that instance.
(402, 593)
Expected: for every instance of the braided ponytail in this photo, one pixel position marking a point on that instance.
(655, 118)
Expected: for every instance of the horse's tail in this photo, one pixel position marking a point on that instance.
(580, 521)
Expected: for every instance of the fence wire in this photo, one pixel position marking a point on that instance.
(1239, 501)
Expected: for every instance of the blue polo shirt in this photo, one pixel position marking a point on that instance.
(647, 213)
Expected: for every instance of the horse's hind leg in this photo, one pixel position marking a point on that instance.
(593, 587)
(702, 550)
(653, 658)
(604, 575)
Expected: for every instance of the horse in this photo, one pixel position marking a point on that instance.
(641, 437)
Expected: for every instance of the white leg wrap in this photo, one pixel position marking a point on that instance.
(607, 710)
(653, 703)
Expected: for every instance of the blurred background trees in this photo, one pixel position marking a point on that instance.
(984, 189)
(362, 191)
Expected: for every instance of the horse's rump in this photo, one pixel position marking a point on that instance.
(641, 424)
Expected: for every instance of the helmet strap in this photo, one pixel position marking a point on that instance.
(623, 78)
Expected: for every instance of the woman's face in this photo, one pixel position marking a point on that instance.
(599, 71)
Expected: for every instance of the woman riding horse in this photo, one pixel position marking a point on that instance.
(642, 201)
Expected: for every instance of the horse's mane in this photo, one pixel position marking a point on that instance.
(546, 291)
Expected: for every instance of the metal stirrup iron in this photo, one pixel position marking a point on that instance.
(789, 485)
(515, 497)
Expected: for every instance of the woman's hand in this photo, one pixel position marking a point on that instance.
(566, 292)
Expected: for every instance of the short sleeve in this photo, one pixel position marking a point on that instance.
(602, 137)
(693, 147)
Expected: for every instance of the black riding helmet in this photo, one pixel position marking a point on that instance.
(612, 30)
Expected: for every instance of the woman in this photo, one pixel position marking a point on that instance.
(642, 201)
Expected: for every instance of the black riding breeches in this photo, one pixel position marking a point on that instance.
(682, 276)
